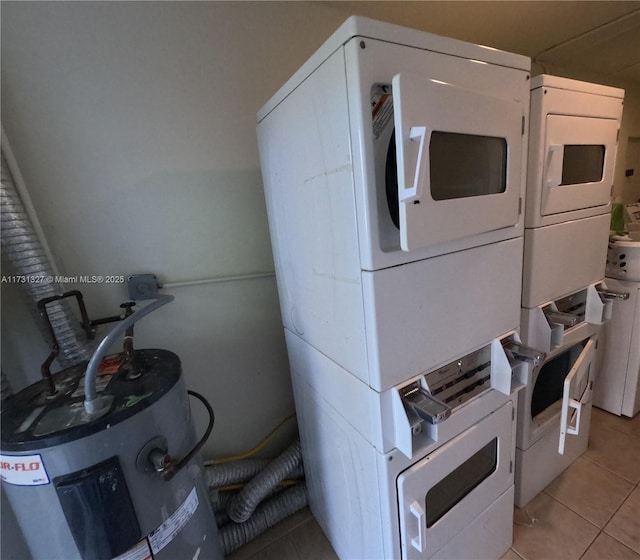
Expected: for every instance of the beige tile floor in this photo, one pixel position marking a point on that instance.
(590, 512)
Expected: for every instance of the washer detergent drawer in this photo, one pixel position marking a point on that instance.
(444, 492)
(458, 165)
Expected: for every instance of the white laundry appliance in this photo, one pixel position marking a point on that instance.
(393, 162)
(618, 387)
(572, 148)
(554, 408)
(572, 151)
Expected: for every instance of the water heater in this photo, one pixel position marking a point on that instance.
(100, 460)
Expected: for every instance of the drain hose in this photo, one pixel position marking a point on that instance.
(246, 501)
(270, 512)
(21, 245)
(222, 500)
(226, 474)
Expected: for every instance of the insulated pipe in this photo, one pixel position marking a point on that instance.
(94, 405)
(243, 505)
(272, 511)
(23, 248)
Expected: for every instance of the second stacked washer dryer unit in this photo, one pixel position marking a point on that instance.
(572, 149)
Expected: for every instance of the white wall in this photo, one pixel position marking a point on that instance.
(134, 127)
(133, 124)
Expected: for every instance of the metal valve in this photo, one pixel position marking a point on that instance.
(162, 463)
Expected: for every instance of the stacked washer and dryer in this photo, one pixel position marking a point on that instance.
(394, 169)
(565, 300)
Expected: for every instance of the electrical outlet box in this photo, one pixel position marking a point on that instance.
(143, 286)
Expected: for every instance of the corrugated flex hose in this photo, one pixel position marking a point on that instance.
(23, 248)
(247, 500)
(241, 471)
(233, 473)
(247, 494)
(222, 500)
(272, 511)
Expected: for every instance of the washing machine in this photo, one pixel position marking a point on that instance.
(422, 470)
(554, 408)
(618, 387)
(393, 163)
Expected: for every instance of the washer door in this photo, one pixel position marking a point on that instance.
(560, 383)
(576, 392)
(444, 492)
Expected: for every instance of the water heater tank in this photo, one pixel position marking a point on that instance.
(92, 487)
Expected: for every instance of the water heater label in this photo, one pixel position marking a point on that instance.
(164, 534)
(141, 551)
(23, 470)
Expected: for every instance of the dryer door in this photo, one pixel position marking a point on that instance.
(458, 161)
(579, 163)
(576, 393)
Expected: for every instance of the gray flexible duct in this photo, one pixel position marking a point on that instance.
(244, 504)
(233, 473)
(272, 511)
(22, 247)
(241, 471)
(221, 501)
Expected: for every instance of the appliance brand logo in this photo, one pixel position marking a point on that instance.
(23, 470)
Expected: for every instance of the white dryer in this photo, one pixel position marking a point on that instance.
(453, 218)
(572, 151)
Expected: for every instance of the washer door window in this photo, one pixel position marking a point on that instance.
(457, 161)
(445, 491)
(578, 163)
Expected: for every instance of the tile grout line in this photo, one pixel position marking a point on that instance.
(633, 489)
(600, 529)
(611, 424)
(635, 483)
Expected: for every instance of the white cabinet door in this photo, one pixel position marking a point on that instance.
(576, 393)
(458, 158)
(578, 163)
